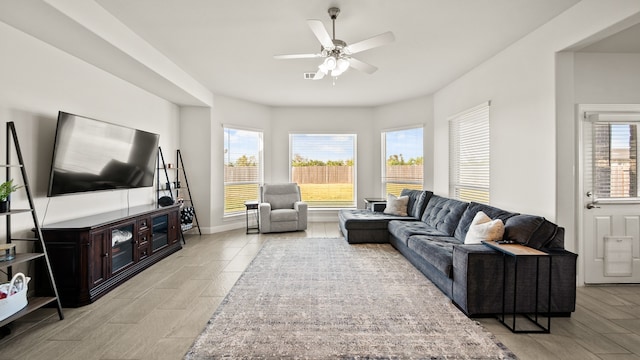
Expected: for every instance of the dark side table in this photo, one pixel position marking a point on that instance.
(517, 251)
(252, 209)
(375, 204)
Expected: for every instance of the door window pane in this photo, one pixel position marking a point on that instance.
(615, 154)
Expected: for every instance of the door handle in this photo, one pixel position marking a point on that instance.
(592, 206)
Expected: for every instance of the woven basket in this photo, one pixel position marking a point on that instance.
(16, 302)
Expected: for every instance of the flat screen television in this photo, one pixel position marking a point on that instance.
(93, 155)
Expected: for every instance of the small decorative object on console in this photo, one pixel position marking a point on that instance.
(7, 252)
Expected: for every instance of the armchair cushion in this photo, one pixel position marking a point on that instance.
(281, 196)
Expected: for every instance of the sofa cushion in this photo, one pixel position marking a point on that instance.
(533, 231)
(418, 200)
(444, 214)
(483, 228)
(470, 213)
(360, 219)
(437, 251)
(396, 205)
(521, 227)
(283, 215)
(402, 230)
(280, 196)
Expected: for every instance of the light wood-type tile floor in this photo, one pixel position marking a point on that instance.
(159, 313)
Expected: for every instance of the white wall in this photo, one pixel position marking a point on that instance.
(235, 113)
(607, 78)
(520, 82)
(38, 81)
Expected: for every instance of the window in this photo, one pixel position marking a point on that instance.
(615, 164)
(323, 165)
(242, 168)
(403, 160)
(469, 156)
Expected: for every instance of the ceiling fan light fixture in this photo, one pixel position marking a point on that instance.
(330, 63)
(336, 53)
(343, 64)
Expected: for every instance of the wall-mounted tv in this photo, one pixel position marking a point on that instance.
(93, 155)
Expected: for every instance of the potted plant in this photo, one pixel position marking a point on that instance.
(6, 188)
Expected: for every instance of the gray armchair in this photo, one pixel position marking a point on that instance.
(280, 208)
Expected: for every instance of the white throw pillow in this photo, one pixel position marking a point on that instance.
(483, 228)
(396, 205)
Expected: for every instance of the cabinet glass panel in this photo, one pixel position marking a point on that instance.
(160, 232)
(121, 247)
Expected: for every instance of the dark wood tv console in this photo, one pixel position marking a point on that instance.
(92, 255)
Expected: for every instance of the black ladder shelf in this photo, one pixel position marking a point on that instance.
(181, 184)
(40, 250)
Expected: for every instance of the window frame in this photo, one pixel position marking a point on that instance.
(352, 203)
(607, 118)
(260, 171)
(384, 181)
(478, 117)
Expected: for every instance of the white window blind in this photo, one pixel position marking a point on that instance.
(323, 167)
(470, 155)
(243, 172)
(403, 159)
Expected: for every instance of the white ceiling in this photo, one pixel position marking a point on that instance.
(228, 46)
(625, 41)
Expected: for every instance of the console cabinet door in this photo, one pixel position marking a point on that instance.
(122, 246)
(174, 234)
(160, 232)
(100, 252)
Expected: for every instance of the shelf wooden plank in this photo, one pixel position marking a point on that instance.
(16, 211)
(514, 249)
(25, 239)
(35, 303)
(20, 258)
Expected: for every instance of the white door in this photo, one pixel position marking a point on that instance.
(610, 198)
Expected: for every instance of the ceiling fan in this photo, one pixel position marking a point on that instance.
(336, 53)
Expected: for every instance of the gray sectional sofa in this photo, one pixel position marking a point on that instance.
(432, 237)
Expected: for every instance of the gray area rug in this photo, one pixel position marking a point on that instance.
(326, 299)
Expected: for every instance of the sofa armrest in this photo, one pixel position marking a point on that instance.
(264, 211)
(301, 207)
(478, 278)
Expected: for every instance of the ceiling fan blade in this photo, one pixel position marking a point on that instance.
(362, 66)
(371, 43)
(321, 33)
(297, 56)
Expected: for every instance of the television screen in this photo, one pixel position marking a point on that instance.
(93, 155)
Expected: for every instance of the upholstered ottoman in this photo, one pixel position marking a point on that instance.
(365, 226)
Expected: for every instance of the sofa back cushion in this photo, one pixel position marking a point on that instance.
(444, 214)
(473, 208)
(533, 231)
(418, 200)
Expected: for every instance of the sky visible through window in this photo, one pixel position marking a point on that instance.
(402, 142)
(620, 136)
(242, 143)
(320, 146)
(323, 147)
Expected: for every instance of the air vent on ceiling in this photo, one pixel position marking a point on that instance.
(309, 75)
